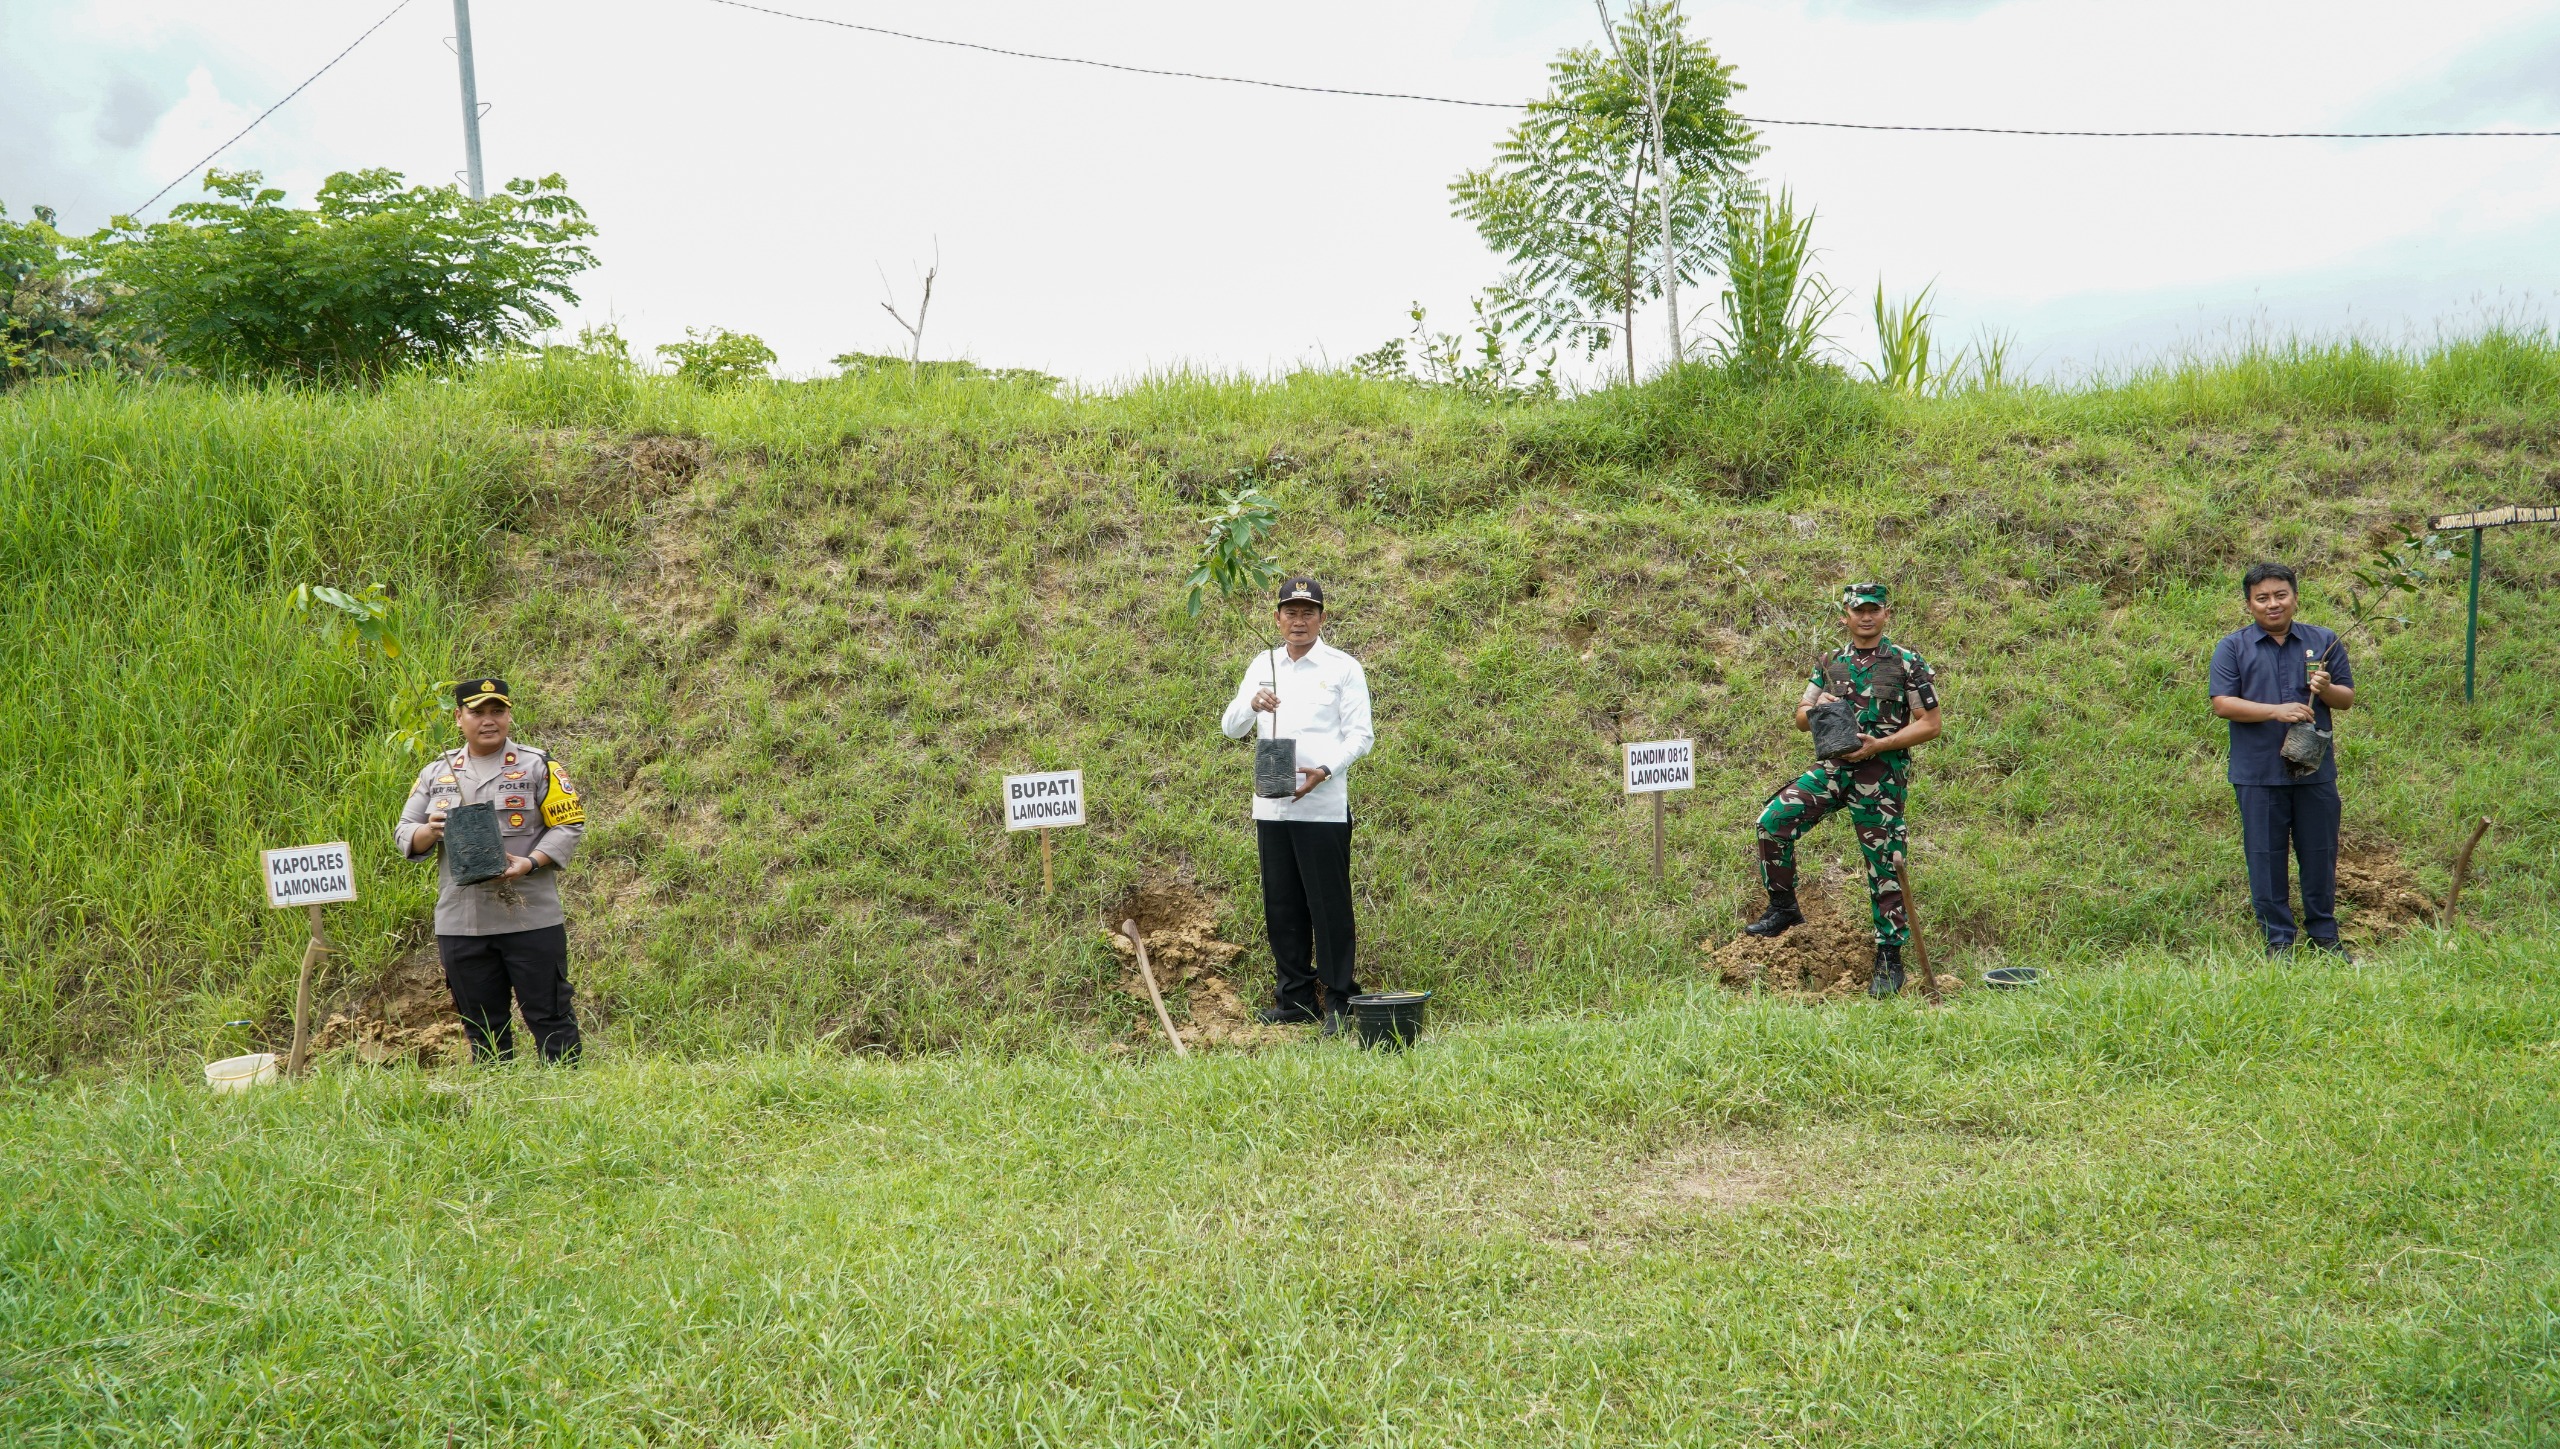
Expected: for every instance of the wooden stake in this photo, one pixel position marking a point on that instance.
(1657, 837)
(1129, 928)
(311, 955)
(2451, 917)
(1047, 879)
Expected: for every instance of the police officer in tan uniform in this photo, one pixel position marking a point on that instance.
(506, 937)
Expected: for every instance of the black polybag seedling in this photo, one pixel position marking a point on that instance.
(471, 844)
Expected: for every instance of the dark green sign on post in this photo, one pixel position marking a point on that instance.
(2513, 513)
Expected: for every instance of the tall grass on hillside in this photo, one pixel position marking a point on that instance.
(169, 716)
(790, 676)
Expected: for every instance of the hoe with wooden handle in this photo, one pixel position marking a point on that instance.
(1919, 947)
(1129, 928)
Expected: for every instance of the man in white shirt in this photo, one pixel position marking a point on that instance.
(1315, 694)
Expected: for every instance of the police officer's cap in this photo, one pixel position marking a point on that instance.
(1856, 594)
(469, 692)
(1301, 590)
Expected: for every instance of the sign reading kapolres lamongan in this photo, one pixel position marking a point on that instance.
(1044, 801)
(311, 875)
(1657, 765)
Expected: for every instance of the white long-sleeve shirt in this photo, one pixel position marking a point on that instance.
(1324, 706)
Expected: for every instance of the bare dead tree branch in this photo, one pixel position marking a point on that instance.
(915, 329)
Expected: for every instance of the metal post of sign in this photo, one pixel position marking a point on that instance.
(1048, 881)
(2479, 523)
(2471, 629)
(311, 955)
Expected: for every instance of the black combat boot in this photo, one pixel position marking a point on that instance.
(1781, 914)
(1888, 978)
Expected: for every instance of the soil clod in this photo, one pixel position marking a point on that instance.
(1831, 954)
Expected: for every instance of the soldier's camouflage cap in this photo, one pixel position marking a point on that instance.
(1853, 595)
(468, 692)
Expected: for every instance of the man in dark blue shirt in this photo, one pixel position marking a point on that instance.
(2268, 676)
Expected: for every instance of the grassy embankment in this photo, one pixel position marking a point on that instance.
(2178, 1202)
(2179, 1196)
(790, 675)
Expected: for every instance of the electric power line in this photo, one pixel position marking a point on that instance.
(1238, 80)
(1233, 80)
(271, 110)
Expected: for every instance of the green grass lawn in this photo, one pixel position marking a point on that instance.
(2167, 1200)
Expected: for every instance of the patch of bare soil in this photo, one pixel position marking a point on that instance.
(2384, 893)
(1832, 954)
(405, 1015)
(1179, 923)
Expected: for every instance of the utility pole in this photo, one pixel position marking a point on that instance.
(470, 97)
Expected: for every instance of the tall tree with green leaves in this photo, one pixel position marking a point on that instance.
(1605, 197)
(377, 276)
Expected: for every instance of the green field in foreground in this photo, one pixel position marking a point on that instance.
(2173, 1201)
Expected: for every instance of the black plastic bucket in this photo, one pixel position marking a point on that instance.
(2012, 977)
(1389, 1018)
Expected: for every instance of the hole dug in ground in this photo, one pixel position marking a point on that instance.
(404, 1015)
(1179, 923)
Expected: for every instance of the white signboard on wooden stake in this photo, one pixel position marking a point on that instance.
(1044, 801)
(311, 875)
(1654, 766)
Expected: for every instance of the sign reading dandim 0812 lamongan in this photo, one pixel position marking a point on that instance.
(311, 875)
(1657, 765)
(1045, 801)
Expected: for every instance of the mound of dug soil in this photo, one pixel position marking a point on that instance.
(2382, 895)
(1831, 954)
(406, 1015)
(1179, 923)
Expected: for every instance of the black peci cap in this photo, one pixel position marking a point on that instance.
(469, 692)
(1298, 589)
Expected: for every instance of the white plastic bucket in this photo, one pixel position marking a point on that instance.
(239, 1074)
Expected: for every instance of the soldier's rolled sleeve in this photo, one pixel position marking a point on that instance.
(413, 815)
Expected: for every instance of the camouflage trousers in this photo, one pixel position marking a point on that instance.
(1873, 792)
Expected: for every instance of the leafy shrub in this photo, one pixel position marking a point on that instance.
(53, 311)
(375, 278)
(1499, 371)
(875, 364)
(718, 358)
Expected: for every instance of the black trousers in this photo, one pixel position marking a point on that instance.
(1306, 903)
(532, 966)
(2300, 821)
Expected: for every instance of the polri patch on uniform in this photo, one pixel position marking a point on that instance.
(444, 802)
(447, 780)
(512, 802)
(511, 757)
(515, 774)
(516, 821)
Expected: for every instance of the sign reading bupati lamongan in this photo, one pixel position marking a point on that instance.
(1044, 801)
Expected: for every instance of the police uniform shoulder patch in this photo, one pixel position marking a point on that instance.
(560, 805)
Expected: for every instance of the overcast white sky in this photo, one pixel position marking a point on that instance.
(755, 173)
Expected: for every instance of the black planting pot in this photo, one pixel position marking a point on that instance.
(2012, 977)
(1391, 1019)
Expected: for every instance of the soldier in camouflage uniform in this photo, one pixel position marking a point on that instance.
(1897, 698)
